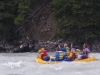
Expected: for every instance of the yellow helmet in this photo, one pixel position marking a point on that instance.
(42, 48)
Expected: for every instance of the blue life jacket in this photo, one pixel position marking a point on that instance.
(62, 49)
(59, 55)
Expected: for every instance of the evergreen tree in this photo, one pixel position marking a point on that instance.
(77, 19)
(7, 15)
(12, 13)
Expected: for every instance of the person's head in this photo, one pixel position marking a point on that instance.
(40, 51)
(85, 46)
(71, 44)
(65, 45)
(42, 48)
(73, 50)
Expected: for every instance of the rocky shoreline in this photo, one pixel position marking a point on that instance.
(27, 45)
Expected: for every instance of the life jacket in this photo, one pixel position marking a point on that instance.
(73, 56)
(86, 52)
(66, 53)
(39, 56)
(61, 54)
(68, 49)
(44, 54)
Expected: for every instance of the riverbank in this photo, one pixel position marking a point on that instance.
(29, 45)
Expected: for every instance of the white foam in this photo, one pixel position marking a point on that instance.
(13, 64)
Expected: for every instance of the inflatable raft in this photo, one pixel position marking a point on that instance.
(91, 58)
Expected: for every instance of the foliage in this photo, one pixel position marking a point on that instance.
(23, 11)
(77, 19)
(7, 10)
(12, 13)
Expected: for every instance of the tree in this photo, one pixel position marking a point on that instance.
(12, 13)
(77, 19)
(23, 11)
(7, 15)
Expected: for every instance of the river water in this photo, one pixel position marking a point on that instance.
(24, 64)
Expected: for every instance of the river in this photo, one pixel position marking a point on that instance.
(24, 64)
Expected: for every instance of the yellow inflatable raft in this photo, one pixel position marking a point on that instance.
(91, 58)
(45, 62)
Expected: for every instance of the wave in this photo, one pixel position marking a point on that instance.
(13, 64)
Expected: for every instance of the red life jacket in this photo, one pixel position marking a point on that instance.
(73, 56)
(44, 54)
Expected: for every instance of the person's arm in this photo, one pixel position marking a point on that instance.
(84, 53)
(42, 53)
(71, 46)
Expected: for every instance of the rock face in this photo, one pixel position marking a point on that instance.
(95, 47)
(43, 25)
(27, 45)
(34, 46)
(48, 45)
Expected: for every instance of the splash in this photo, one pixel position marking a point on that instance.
(13, 64)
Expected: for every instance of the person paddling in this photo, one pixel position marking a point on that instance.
(43, 55)
(85, 52)
(72, 55)
(59, 56)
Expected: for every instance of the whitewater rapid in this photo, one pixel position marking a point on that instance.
(24, 64)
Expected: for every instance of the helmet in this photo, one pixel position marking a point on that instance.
(77, 50)
(42, 48)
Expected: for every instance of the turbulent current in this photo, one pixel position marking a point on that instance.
(24, 64)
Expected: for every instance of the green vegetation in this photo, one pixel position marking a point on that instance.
(12, 14)
(77, 19)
